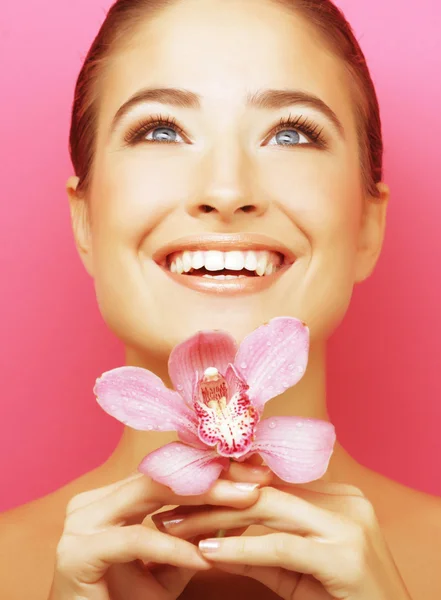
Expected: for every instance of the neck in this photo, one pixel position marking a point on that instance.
(306, 399)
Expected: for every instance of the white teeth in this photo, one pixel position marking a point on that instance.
(262, 262)
(179, 265)
(224, 276)
(250, 261)
(234, 260)
(186, 259)
(197, 259)
(214, 260)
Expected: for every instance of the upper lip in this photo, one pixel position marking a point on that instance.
(224, 242)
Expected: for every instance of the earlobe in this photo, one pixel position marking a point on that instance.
(80, 219)
(371, 234)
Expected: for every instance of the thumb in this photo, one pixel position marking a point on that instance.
(251, 470)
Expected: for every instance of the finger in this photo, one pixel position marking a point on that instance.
(284, 550)
(274, 508)
(141, 495)
(84, 498)
(88, 559)
(249, 471)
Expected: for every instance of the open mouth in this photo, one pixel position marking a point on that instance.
(215, 264)
(225, 264)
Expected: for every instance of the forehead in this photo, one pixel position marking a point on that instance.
(222, 50)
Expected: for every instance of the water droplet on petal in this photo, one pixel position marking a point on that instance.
(268, 343)
(179, 387)
(167, 454)
(158, 389)
(300, 369)
(243, 365)
(272, 424)
(269, 376)
(291, 367)
(299, 424)
(149, 427)
(113, 407)
(285, 384)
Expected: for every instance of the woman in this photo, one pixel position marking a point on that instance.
(209, 125)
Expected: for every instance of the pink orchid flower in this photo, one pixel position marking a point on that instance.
(220, 392)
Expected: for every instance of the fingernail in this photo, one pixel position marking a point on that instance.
(171, 522)
(210, 545)
(245, 487)
(261, 470)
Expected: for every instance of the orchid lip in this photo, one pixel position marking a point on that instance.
(224, 242)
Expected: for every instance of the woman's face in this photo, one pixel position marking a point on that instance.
(224, 169)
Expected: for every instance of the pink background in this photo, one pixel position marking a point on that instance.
(384, 360)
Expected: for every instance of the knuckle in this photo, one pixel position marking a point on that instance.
(135, 536)
(366, 512)
(265, 494)
(347, 489)
(358, 540)
(242, 546)
(282, 549)
(76, 502)
(66, 555)
(267, 497)
(354, 561)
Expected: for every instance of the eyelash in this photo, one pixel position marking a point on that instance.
(309, 128)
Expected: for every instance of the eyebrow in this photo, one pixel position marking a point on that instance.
(264, 99)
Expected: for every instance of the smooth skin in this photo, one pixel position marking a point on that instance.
(225, 171)
(325, 543)
(105, 538)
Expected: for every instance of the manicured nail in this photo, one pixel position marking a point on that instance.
(245, 487)
(261, 470)
(210, 545)
(171, 522)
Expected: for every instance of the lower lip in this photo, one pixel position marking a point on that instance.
(230, 287)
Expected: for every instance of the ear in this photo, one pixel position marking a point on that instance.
(371, 234)
(80, 219)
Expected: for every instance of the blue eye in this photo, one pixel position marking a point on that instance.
(289, 132)
(288, 137)
(164, 134)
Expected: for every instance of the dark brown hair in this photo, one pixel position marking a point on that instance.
(329, 22)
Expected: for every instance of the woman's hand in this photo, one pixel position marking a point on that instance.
(327, 543)
(105, 544)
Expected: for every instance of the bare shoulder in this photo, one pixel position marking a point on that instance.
(411, 523)
(29, 535)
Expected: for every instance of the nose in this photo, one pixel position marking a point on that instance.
(228, 186)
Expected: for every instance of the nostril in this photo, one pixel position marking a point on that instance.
(248, 208)
(206, 208)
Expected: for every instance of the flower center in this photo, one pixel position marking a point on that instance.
(214, 389)
(228, 422)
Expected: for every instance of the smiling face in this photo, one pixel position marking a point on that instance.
(219, 163)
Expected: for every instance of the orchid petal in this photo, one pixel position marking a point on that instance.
(296, 449)
(186, 470)
(139, 399)
(236, 384)
(273, 358)
(205, 349)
